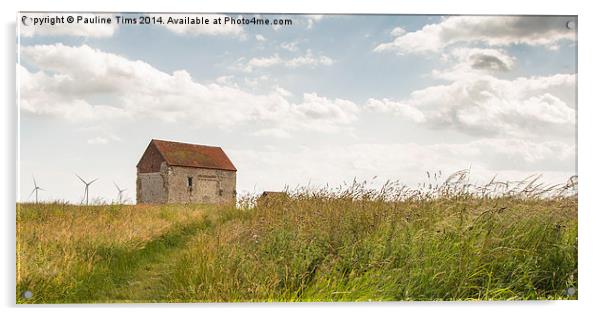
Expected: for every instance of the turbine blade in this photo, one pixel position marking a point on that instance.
(92, 181)
(35, 184)
(80, 178)
(118, 188)
(30, 194)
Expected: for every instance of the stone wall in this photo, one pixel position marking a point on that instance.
(208, 185)
(171, 185)
(150, 188)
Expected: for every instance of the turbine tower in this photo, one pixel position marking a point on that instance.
(87, 185)
(120, 192)
(36, 188)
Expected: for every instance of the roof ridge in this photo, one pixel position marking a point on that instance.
(183, 143)
(193, 155)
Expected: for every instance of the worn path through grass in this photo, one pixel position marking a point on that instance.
(135, 275)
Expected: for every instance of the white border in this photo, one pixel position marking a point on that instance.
(589, 153)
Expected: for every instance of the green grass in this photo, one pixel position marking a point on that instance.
(347, 245)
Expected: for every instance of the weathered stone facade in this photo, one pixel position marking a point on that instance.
(158, 182)
(171, 185)
(150, 188)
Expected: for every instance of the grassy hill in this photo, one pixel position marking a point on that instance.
(447, 242)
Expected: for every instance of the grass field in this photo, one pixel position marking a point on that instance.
(444, 242)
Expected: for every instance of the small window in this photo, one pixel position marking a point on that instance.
(189, 183)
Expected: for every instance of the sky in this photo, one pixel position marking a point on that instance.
(320, 102)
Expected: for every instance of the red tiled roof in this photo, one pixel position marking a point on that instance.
(191, 155)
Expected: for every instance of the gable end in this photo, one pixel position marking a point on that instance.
(151, 160)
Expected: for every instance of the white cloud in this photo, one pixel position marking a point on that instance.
(86, 84)
(398, 31)
(263, 62)
(486, 59)
(40, 95)
(227, 80)
(487, 105)
(313, 19)
(260, 38)
(283, 92)
(256, 82)
(65, 29)
(210, 29)
(491, 30)
(316, 108)
(475, 62)
(497, 106)
(475, 101)
(309, 59)
(290, 46)
(401, 109)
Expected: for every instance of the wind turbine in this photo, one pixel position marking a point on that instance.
(87, 184)
(120, 190)
(36, 188)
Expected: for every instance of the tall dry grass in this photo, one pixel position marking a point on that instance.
(446, 241)
(60, 245)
